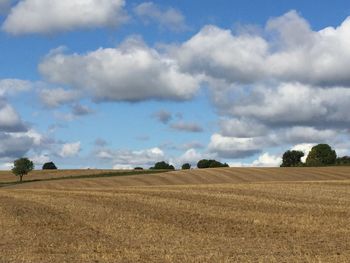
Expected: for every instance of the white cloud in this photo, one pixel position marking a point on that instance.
(122, 167)
(53, 98)
(169, 18)
(14, 86)
(309, 134)
(232, 147)
(43, 16)
(267, 160)
(130, 72)
(217, 53)
(10, 121)
(294, 104)
(70, 149)
(291, 52)
(190, 156)
(40, 159)
(13, 145)
(305, 148)
(132, 158)
(241, 128)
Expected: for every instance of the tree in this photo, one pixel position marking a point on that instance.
(162, 166)
(49, 166)
(321, 155)
(21, 167)
(204, 163)
(186, 166)
(138, 168)
(343, 161)
(292, 158)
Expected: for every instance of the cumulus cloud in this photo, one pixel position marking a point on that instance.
(14, 86)
(169, 18)
(40, 159)
(42, 16)
(54, 98)
(232, 147)
(267, 160)
(131, 72)
(186, 126)
(10, 121)
(70, 149)
(309, 134)
(190, 156)
(129, 158)
(242, 128)
(305, 148)
(295, 104)
(292, 52)
(14, 146)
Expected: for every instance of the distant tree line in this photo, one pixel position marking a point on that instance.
(202, 164)
(320, 155)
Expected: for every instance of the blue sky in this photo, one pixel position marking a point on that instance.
(116, 83)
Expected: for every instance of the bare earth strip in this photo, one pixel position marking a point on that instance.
(229, 215)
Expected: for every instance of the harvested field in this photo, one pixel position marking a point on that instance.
(230, 215)
(7, 176)
(196, 177)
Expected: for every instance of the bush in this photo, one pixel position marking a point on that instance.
(186, 166)
(49, 166)
(162, 166)
(202, 164)
(321, 155)
(292, 159)
(138, 168)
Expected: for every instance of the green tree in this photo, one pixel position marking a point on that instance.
(321, 155)
(162, 166)
(186, 166)
(204, 163)
(292, 158)
(343, 161)
(49, 166)
(22, 167)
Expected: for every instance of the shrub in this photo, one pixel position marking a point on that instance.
(321, 155)
(138, 168)
(186, 166)
(49, 166)
(292, 159)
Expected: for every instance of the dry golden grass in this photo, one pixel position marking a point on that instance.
(195, 177)
(230, 215)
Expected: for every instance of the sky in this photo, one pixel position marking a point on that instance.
(121, 83)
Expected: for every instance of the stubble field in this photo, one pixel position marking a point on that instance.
(218, 215)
